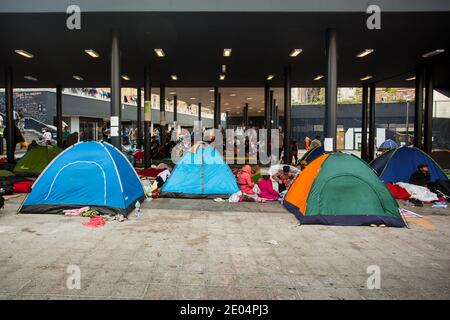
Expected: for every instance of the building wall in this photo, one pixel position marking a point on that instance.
(308, 120)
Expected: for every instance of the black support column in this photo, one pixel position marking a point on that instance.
(116, 101)
(331, 86)
(267, 106)
(226, 121)
(162, 113)
(364, 107)
(199, 111)
(139, 119)
(372, 104)
(9, 111)
(287, 114)
(59, 127)
(147, 134)
(428, 114)
(216, 107)
(175, 108)
(245, 116)
(418, 107)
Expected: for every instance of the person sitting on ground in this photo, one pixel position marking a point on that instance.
(284, 178)
(421, 177)
(47, 137)
(32, 145)
(246, 184)
(267, 190)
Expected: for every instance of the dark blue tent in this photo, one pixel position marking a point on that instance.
(388, 144)
(312, 154)
(397, 165)
(200, 173)
(87, 174)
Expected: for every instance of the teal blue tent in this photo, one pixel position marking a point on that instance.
(200, 173)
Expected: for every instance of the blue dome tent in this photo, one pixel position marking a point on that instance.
(87, 174)
(388, 144)
(200, 173)
(397, 165)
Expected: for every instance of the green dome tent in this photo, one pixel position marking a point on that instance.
(341, 189)
(35, 160)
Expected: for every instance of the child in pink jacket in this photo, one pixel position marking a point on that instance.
(245, 180)
(267, 191)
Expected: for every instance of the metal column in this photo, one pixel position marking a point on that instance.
(9, 111)
(59, 127)
(175, 108)
(245, 116)
(266, 106)
(287, 114)
(364, 107)
(139, 119)
(226, 121)
(331, 86)
(199, 111)
(116, 98)
(428, 114)
(162, 113)
(372, 104)
(216, 107)
(418, 108)
(147, 133)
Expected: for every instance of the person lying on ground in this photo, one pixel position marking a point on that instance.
(162, 177)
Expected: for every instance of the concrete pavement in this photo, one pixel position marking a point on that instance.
(200, 249)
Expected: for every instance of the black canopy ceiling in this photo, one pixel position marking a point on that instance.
(194, 41)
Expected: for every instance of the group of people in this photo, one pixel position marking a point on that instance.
(263, 190)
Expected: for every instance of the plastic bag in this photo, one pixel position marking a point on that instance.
(235, 197)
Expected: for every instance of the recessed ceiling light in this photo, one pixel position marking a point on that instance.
(24, 53)
(224, 68)
(211, 90)
(160, 52)
(259, 111)
(77, 78)
(226, 103)
(172, 92)
(318, 77)
(125, 77)
(193, 98)
(295, 52)
(366, 78)
(411, 78)
(226, 52)
(174, 77)
(92, 53)
(232, 94)
(30, 78)
(433, 53)
(364, 53)
(222, 77)
(270, 77)
(249, 98)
